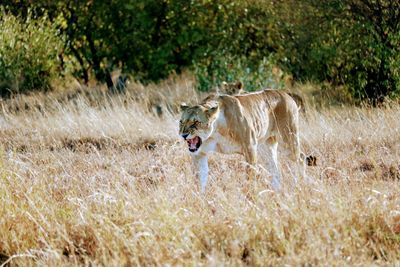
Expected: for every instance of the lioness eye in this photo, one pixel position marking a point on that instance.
(194, 125)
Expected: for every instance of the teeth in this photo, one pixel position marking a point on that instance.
(192, 143)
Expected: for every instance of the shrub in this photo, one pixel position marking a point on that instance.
(254, 74)
(346, 42)
(28, 53)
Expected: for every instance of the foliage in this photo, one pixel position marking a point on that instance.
(240, 46)
(152, 39)
(28, 53)
(255, 75)
(351, 43)
(372, 67)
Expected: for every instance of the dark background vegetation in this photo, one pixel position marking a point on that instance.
(354, 44)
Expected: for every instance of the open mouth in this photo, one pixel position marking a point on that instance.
(194, 143)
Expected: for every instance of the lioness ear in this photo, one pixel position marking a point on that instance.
(239, 85)
(184, 106)
(211, 111)
(224, 84)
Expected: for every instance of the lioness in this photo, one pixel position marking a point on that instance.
(238, 124)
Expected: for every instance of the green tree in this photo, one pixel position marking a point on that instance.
(29, 51)
(350, 42)
(346, 42)
(373, 63)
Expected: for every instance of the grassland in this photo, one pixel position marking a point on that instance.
(88, 179)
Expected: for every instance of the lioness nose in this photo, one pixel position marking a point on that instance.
(185, 135)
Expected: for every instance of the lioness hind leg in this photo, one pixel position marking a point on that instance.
(289, 131)
(295, 155)
(273, 164)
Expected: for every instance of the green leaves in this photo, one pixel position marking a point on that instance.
(257, 74)
(345, 42)
(28, 53)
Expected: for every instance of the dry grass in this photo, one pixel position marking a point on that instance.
(95, 180)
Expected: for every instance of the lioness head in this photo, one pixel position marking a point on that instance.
(235, 88)
(197, 124)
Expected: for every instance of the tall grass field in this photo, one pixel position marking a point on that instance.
(88, 179)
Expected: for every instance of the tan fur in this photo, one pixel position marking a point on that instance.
(237, 88)
(239, 123)
(299, 101)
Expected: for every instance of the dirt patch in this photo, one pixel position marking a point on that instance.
(90, 144)
(82, 242)
(84, 144)
(390, 172)
(3, 258)
(380, 171)
(367, 165)
(396, 224)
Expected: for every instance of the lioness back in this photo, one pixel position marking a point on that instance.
(237, 88)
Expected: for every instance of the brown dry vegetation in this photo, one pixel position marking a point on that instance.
(88, 179)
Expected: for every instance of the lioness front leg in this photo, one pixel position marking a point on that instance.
(200, 163)
(251, 158)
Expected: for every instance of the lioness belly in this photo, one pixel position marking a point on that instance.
(227, 145)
